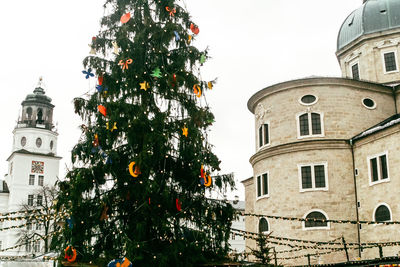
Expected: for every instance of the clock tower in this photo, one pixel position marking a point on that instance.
(32, 164)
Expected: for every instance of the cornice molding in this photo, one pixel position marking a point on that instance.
(315, 81)
(298, 147)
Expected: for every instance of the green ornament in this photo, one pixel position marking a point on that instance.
(202, 59)
(156, 73)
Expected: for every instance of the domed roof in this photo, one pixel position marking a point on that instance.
(38, 96)
(372, 16)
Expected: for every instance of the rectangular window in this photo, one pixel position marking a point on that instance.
(390, 61)
(36, 246)
(262, 185)
(313, 177)
(29, 226)
(266, 134)
(28, 247)
(31, 179)
(374, 170)
(38, 226)
(39, 200)
(41, 179)
(304, 125)
(263, 135)
(306, 177)
(265, 183)
(378, 168)
(354, 72)
(30, 200)
(316, 123)
(319, 171)
(384, 172)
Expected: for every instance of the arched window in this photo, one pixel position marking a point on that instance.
(382, 214)
(310, 124)
(40, 116)
(310, 223)
(263, 226)
(29, 113)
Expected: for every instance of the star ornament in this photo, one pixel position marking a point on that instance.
(185, 131)
(144, 86)
(88, 73)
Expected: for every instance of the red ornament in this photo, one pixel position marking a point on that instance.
(149, 201)
(178, 205)
(100, 79)
(194, 28)
(102, 109)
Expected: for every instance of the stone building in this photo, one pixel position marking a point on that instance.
(327, 148)
(32, 164)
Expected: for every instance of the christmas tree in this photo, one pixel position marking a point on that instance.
(143, 164)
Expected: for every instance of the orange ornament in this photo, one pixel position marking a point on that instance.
(197, 90)
(102, 109)
(70, 258)
(125, 18)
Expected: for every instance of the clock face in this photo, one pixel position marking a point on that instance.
(38, 142)
(37, 167)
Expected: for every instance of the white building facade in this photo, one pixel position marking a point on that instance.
(32, 164)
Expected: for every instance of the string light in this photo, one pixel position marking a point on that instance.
(318, 220)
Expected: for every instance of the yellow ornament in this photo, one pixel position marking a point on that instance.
(210, 85)
(113, 128)
(135, 173)
(144, 85)
(185, 131)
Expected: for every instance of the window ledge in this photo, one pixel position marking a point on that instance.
(392, 71)
(325, 189)
(386, 180)
(316, 228)
(264, 146)
(262, 197)
(310, 136)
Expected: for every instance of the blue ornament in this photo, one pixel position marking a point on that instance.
(88, 73)
(202, 181)
(177, 37)
(100, 88)
(122, 263)
(70, 222)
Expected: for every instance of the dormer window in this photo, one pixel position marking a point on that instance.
(390, 62)
(355, 72)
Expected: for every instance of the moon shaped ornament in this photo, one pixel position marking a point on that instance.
(197, 90)
(207, 181)
(135, 173)
(70, 257)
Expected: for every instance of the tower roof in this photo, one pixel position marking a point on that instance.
(38, 96)
(373, 16)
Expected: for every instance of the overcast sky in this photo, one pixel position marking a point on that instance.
(253, 44)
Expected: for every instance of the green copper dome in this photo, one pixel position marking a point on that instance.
(373, 16)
